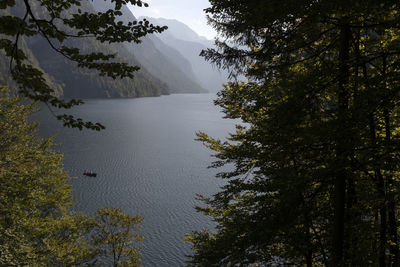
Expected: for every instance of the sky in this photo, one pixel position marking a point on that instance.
(189, 12)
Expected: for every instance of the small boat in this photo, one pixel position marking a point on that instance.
(90, 174)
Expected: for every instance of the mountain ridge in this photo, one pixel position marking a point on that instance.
(158, 58)
(189, 44)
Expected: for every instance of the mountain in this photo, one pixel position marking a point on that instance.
(84, 83)
(73, 82)
(169, 62)
(181, 31)
(5, 71)
(190, 44)
(5, 74)
(161, 60)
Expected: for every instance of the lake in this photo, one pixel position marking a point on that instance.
(147, 163)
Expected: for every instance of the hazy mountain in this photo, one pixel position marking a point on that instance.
(179, 30)
(84, 83)
(5, 74)
(161, 60)
(190, 44)
(73, 82)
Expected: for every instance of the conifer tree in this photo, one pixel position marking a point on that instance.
(316, 168)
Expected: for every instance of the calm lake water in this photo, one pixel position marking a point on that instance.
(147, 163)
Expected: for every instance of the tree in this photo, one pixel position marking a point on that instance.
(114, 236)
(37, 227)
(57, 22)
(34, 195)
(316, 168)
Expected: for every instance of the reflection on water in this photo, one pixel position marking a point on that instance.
(147, 163)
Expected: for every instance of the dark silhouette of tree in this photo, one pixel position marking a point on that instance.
(316, 168)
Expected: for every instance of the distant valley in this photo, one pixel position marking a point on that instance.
(170, 62)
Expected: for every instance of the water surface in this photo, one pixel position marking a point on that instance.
(147, 163)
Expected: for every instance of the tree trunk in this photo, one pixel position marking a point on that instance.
(394, 247)
(380, 183)
(343, 147)
(383, 222)
(309, 259)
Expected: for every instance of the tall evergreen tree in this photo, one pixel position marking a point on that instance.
(316, 168)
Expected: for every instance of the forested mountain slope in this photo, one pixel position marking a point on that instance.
(82, 83)
(161, 60)
(74, 82)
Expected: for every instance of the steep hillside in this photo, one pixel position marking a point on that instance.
(5, 75)
(5, 71)
(83, 83)
(161, 60)
(74, 82)
(189, 44)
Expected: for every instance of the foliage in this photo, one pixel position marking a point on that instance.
(316, 168)
(57, 23)
(36, 225)
(34, 194)
(114, 236)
